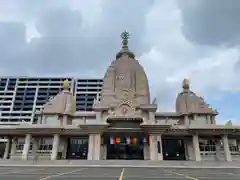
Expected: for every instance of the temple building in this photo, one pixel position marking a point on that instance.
(124, 124)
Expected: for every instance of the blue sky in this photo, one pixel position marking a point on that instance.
(228, 106)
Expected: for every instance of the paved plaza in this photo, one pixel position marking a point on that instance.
(93, 173)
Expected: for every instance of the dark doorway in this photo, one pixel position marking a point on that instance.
(77, 148)
(173, 149)
(125, 151)
(2, 149)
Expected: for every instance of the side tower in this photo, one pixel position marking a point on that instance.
(193, 107)
(125, 93)
(59, 110)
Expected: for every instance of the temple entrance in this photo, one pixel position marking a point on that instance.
(173, 149)
(77, 148)
(124, 151)
(126, 141)
(125, 147)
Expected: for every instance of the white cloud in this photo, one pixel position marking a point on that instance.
(169, 56)
(172, 57)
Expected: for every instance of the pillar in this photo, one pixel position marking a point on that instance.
(146, 151)
(213, 120)
(65, 147)
(35, 147)
(186, 120)
(152, 117)
(196, 148)
(90, 146)
(103, 155)
(26, 146)
(7, 148)
(65, 120)
(227, 152)
(99, 116)
(14, 146)
(97, 146)
(56, 140)
(94, 147)
(209, 119)
(155, 147)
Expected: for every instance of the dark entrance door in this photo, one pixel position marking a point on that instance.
(77, 148)
(125, 151)
(173, 149)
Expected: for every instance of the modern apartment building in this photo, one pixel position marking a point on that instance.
(86, 90)
(21, 97)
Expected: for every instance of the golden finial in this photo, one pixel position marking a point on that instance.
(65, 85)
(125, 35)
(185, 84)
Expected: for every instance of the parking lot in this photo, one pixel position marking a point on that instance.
(67, 173)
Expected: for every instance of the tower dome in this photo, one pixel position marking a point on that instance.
(125, 84)
(63, 103)
(188, 102)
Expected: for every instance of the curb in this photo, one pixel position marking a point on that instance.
(122, 166)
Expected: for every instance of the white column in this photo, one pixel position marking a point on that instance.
(56, 140)
(152, 117)
(186, 120)
(99, 117)
(97, 146)
(153, 147)
(103, 155)
(26, 146)
(196, 148)
(65, 120)
(209, 119)
(90, 147)
(13, 147)
(146, 152)
(35, 147)
(7, 148)
(227, 152)
(213, 120)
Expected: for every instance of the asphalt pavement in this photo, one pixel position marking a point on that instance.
(68, 173)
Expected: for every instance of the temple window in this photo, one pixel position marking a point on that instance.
(202, 119)
(207, 146)
(233, 146)
(45, 145)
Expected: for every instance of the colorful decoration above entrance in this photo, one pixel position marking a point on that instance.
(129, 140)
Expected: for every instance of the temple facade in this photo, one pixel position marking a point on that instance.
(125, 124)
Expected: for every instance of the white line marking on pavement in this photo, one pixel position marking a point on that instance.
(121, 176)
(61, 174)
(186, 176)
(20, 171)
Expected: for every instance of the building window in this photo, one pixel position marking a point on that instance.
(45, 145)
(207, 146)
